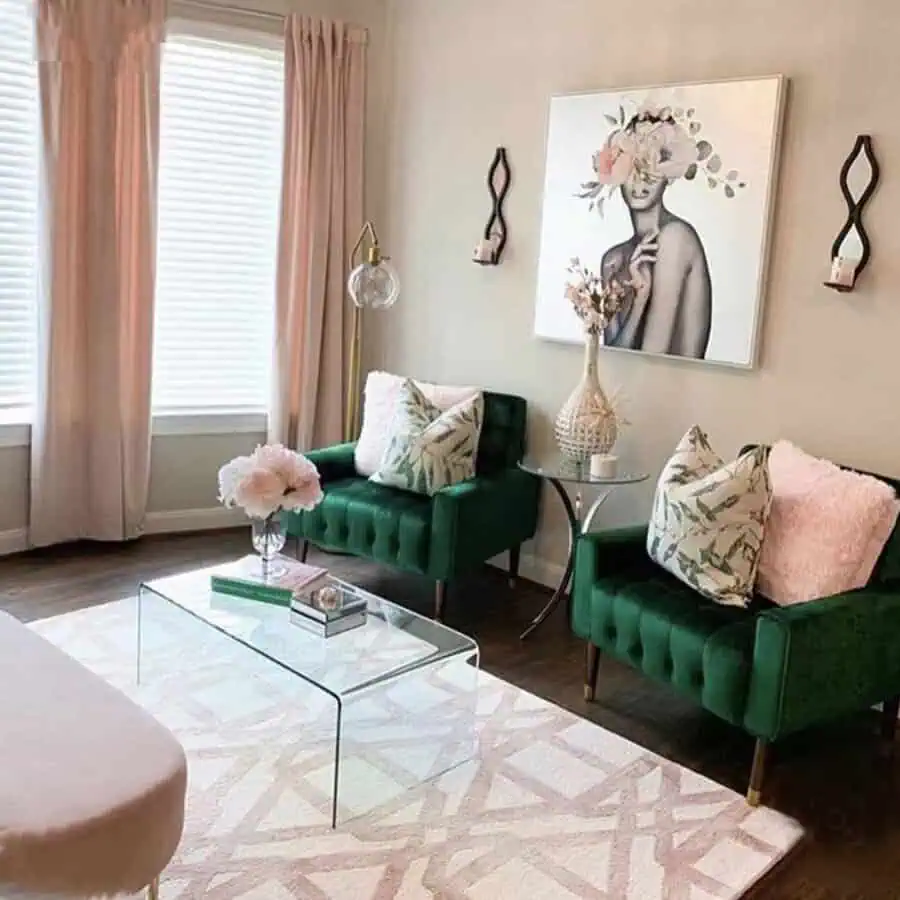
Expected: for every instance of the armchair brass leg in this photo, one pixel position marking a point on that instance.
(754, 792)
(153, 890)
(591, 668)
(440, 598)
(890, 711)
(515, 555)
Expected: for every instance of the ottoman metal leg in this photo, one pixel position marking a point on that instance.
(153, 890)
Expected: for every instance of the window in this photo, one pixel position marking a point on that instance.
(19, 166)
(219, 196)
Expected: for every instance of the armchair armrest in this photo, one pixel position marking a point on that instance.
(823, 659)
(479, 518)
(599, 554)
(334, 462)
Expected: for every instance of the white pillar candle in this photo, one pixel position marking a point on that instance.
(604, 465)
(484, 251)
(843, 270)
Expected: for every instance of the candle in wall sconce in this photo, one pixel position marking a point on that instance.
(490, 248)
(843, 271)
(851, 250)
(485, 251)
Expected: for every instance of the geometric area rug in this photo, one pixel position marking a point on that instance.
(552, 808)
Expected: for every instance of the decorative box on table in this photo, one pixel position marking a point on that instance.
(329, 609)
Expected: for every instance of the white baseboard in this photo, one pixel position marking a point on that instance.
(535, 569)
(13, 541)
(177, 521)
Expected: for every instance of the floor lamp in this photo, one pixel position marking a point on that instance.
(373, 284)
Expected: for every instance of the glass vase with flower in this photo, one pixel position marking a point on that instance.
(271, 480)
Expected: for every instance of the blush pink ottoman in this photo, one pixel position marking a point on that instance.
(92, 788)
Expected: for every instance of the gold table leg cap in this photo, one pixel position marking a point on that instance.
(753, 797)
(588, 693)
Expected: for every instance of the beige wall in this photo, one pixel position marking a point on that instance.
(182, 478)
(470, 75)
(13, 489)
(183, 468)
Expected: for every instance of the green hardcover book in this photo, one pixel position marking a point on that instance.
(247, 578)
(249, 592)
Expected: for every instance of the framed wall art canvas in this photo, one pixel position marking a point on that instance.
(663, 195)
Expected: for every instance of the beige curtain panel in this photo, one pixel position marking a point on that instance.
(99, 71)
(321, 216)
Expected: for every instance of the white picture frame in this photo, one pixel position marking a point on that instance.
(698, 164)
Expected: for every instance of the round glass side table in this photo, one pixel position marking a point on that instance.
(559, 471)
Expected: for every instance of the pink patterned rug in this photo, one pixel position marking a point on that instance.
(552, 807)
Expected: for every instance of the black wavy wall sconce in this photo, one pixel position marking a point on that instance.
(852, 250)
(490, 249)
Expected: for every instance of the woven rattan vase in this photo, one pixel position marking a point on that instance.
(587, 423)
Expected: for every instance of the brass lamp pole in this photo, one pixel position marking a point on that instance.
(372, 284)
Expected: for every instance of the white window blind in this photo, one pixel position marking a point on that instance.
(19, 167)
(219, 196)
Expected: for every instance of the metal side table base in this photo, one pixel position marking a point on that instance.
(577, 527)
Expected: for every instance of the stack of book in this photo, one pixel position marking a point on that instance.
(276, 583)
(329, 609)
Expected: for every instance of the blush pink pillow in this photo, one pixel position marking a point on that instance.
(826, 529)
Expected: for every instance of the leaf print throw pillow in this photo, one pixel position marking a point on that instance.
(709, 517)
(429, 448)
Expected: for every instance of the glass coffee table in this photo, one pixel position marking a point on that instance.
(400, 690)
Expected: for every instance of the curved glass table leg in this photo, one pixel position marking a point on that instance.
(572, 513)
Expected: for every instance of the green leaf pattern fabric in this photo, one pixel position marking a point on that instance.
(709, 517)
(430, 449)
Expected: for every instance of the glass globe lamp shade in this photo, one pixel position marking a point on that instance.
(374, 285)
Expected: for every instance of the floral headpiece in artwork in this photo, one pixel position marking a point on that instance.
(656, 142)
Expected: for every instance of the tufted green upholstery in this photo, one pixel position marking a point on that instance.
(769, 670)
(368, 519)
(455, 531)
(644, 616)
(502, 441)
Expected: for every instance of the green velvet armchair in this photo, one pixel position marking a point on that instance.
(767, 669)
(441, 537)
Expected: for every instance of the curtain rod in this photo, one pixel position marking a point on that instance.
(222, 8)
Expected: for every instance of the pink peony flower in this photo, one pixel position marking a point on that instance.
(305, 493)
(613, 165)
(260, 493)
(273, 477)
(665, 149)
(230, 477)
(603, 163)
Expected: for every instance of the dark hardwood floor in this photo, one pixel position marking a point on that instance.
(837, 781)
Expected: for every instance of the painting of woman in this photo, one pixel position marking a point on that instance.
(669, 308)
(662, 229)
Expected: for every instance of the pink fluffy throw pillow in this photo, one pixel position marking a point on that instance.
(826, 529)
